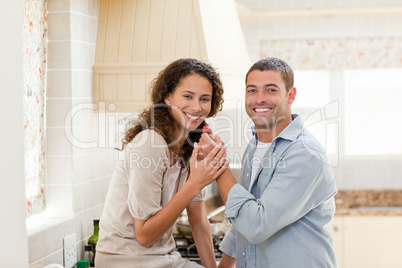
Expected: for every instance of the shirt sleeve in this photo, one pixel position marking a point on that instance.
(147, 160)
(300, 185)
(228, 245)
(201, 195)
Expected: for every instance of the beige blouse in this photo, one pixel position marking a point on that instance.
(139, 188)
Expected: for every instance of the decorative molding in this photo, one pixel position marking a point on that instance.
(337, 53)
(245, 12)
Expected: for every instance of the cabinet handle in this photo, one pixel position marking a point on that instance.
(336, 228)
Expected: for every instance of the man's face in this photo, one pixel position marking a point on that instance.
(267, 101)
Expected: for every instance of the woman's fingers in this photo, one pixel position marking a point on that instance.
(224, 163)
(195, 152)
(220, 154)
(213, 152)
(207, 139)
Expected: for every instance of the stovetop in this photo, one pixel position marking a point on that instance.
(186, 247)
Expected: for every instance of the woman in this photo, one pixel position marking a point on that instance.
(152, 186)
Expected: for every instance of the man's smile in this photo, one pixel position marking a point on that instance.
(261, 110)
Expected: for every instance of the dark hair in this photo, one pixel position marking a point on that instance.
(275, 64)
(157, 116)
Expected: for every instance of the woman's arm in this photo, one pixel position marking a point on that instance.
(202, 173)
(227, 262)
(200, 227)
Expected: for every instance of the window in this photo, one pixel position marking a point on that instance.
(373, 112)
(34, 36)
(314, 105)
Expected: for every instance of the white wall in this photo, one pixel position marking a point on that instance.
(13, 239)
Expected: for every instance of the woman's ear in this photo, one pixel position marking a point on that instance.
(167, 99)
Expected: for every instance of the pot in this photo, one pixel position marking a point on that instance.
(219, 225)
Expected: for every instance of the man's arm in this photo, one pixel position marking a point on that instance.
(294, 190)
(225, 183)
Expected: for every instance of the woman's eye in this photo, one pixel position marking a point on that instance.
(187, 96)
(205, 100)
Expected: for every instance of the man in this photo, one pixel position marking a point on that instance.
(281, 213)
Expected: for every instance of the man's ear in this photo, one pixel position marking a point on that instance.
(292, 95)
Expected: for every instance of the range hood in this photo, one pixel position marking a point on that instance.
(136, 39)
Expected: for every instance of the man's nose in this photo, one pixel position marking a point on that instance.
(261, 97)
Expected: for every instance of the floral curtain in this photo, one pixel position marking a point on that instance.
(34, 36)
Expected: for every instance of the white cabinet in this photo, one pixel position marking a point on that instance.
(368, 241)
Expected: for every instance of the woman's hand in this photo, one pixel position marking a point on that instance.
(206, 143)
(210, 168)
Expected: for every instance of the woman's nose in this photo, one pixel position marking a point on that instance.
(196, 106)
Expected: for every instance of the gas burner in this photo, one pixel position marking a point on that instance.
(185, 245)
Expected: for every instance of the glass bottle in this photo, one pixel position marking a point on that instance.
(93, 239)
(88, 255)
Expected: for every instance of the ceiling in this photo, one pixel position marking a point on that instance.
(260, 9)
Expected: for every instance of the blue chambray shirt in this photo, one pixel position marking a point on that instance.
(285, 221)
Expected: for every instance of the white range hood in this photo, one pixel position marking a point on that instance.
(137, 38)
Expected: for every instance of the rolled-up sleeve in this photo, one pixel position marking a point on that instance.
(228, 245)
(237, 197)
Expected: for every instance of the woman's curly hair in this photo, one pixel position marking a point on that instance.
(158, 117)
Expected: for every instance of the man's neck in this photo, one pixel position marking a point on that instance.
(268, 134)
(264, 135)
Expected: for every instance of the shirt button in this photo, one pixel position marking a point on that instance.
(244, 254)
(247, 174)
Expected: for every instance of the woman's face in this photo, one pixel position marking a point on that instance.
(190, 101)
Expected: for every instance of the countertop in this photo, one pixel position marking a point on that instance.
(351, 202)
(369, 203)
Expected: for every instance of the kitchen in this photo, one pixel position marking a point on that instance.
(351, 48)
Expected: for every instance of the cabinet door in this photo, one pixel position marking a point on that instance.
(372, 241)
(337, 233)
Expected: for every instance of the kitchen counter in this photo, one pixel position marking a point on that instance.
(369, 211)
(369, 202)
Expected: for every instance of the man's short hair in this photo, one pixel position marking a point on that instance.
(275, 64)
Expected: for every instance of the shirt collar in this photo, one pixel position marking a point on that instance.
(291, 131)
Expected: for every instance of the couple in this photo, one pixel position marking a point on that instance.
(281, 215)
